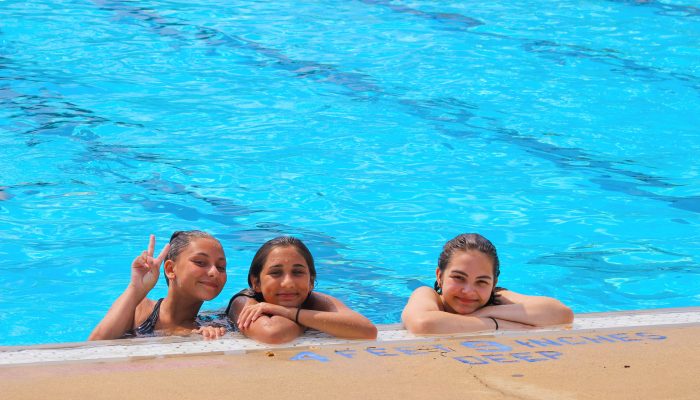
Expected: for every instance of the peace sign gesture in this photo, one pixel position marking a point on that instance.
(145, 269)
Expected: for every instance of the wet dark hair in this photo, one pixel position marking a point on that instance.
(260, 257)
(181, 239)
(464, 242)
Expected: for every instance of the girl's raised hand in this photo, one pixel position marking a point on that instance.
(145, 269)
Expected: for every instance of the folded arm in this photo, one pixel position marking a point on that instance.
(270, 323)
(423, 314)
(531, 310)
(264, 322)
(333, 317)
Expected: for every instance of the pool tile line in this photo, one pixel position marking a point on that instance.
(235, 343)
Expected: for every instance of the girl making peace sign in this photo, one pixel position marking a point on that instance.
(195, 271)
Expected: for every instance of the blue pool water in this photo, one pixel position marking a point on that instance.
(566, 132)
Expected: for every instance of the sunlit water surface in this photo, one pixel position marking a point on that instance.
(566, 132)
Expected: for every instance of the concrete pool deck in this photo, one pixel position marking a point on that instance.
(629, 355)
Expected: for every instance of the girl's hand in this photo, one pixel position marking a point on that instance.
(210, 332)
(251, 312)
(145, 269)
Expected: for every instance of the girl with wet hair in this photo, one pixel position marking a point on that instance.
(280, 303)
(465, 297)
(195, 271)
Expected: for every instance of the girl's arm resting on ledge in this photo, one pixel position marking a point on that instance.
(120, 317)
(423, 314)
(439, 322)
(273, 330)
(531, 310)
(335, 318)
(272, 323)
(259, 321)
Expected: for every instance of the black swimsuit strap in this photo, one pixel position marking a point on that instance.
(149, 325)
(246, 293)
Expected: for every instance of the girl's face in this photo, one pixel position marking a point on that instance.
(467, 281)
(285, 279)
(200, 269)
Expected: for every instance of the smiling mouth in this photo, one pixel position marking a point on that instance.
(210, 284)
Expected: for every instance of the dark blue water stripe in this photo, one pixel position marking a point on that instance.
(558, 155)
(55, 116)
(452, 21)
(609, 176)
(595, 260)
(355, 82)
(562, 157)
(665, 9)
(559, 51)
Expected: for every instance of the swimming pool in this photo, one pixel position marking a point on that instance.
(374, 130)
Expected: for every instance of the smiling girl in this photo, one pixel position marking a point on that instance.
(280, 303)
(465, 297)
(195, 270)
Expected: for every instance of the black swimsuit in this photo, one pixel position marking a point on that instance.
(148, 326)
(208, 318)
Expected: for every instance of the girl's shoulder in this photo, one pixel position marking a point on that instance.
(425, 289)
(317, 301)
(423, 299)
(426, 296)
(425, 292)
(240, 300)
(144, 310)
(322, 302)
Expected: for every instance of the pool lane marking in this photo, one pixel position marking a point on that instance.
(360, 84)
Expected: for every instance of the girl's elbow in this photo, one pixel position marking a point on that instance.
(419, 325)
(566, 315)
(370, 332)
(271, 339)
(274, 339)
(559, 316)
(555, 313)
(272, 334)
